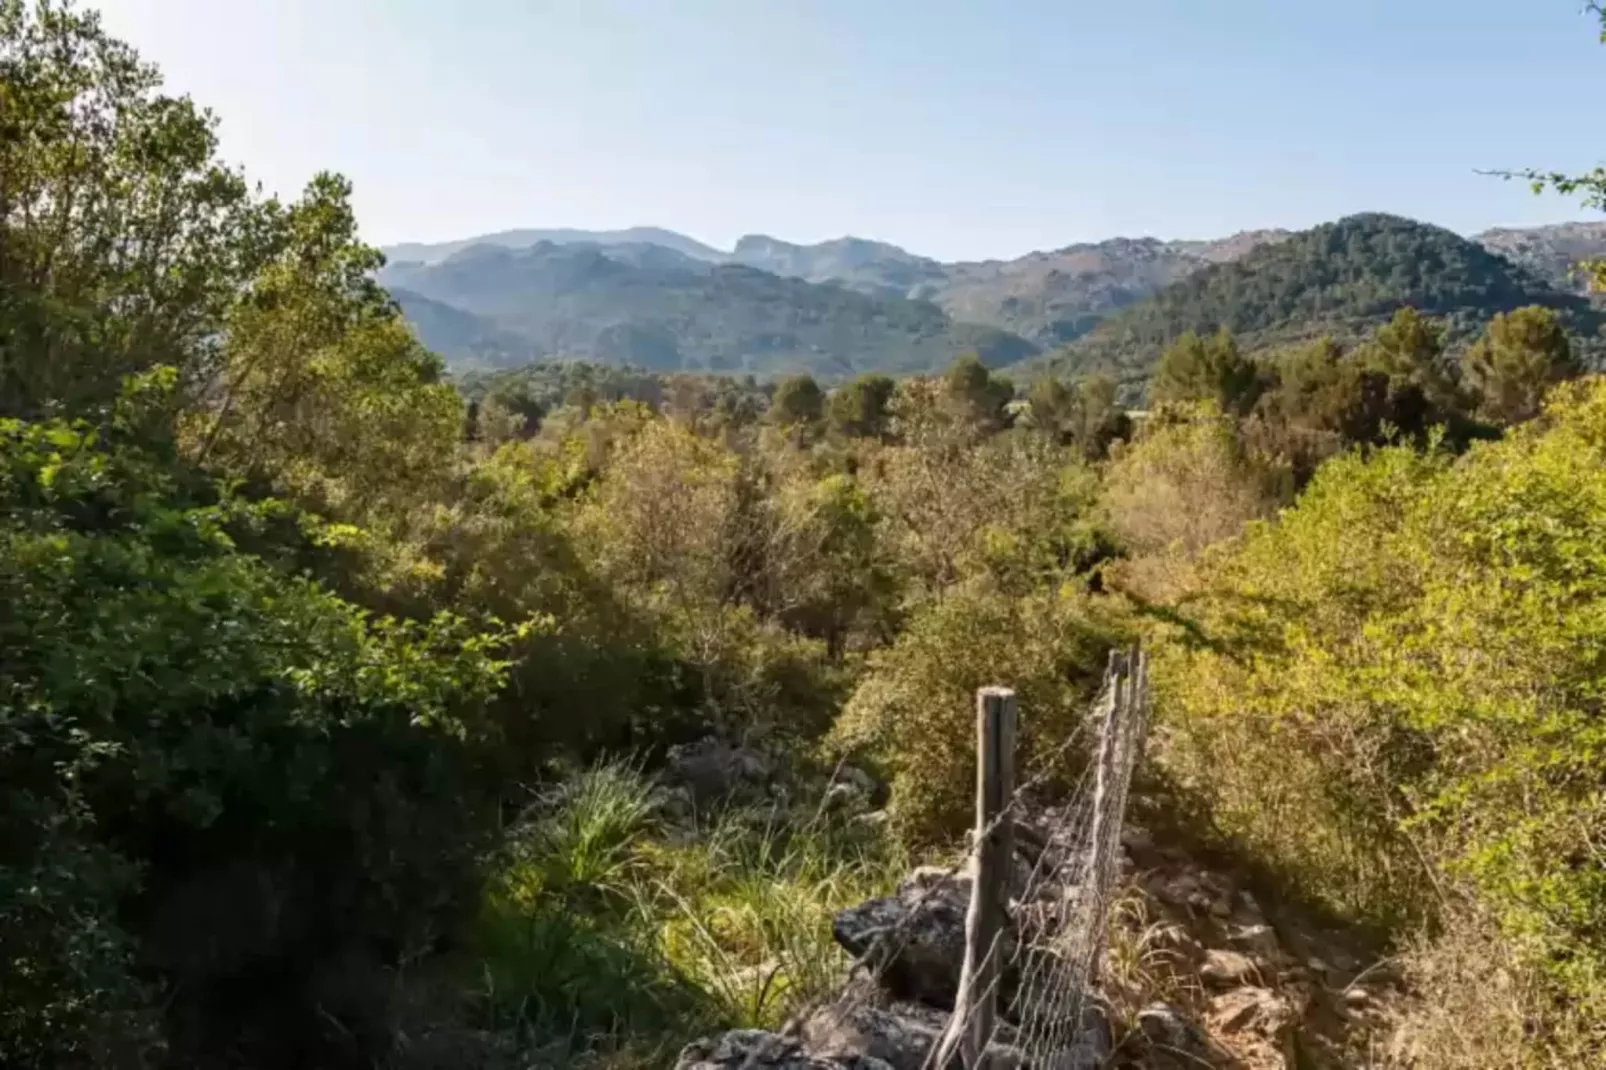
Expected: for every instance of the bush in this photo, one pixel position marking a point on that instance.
(1400, 692)
(218, 779)
(914, 709)
(1184, 484)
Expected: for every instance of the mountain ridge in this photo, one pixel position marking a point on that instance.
(835, 307)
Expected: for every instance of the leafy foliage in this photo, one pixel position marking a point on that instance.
(181, 722)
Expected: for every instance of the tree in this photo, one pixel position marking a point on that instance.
(975, 395)
(323, 393)
(859, 408)
(1518, 358)
(1207, 369)
(125, 240)
(1085, 415)
(798, 403)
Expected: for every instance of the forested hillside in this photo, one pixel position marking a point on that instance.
(1340, 280)
(355, 717)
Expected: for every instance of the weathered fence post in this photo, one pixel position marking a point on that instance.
(975, 1006)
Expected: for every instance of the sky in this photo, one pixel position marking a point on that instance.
(960, 129)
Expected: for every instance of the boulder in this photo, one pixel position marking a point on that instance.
(1225, 969)
(1166, 1032)
(914, 940)
(903, 1035)
(754, 1049)
(712, 769)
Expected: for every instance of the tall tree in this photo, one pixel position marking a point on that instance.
(123, 240)
(859, 408)
(799, 402)
(975, 395)
(1207, 369)
(1518, 358)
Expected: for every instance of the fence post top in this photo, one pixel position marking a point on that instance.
(996, 692)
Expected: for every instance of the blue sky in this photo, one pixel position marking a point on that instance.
(957, 128)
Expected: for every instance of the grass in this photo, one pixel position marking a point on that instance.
(607, 931)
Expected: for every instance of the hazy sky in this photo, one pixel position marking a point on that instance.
(957, 128)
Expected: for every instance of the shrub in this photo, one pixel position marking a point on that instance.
(227, 771)
(1401, 687)
(914, 708)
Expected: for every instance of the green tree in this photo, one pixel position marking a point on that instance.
(859, 409)
(1516, 361)
(798, 402)
(323, 393)
(206, 762)
(1206, 369)
(126, 241)
(975, 395)
(1085, 414)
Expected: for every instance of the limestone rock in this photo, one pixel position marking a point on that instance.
(1227, 968)
(754, 1049)
(913, 940)
(712, 769)
(1252, 1009)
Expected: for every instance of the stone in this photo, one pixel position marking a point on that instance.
(903, 1041)
(1259, 941)
(711, 769)
(1252, 1009)
(1227, 968)
(1165, 1028)
(754, 1049)
(913, 940)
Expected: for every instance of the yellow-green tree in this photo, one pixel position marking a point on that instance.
(1518, 359)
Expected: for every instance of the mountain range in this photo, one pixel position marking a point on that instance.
(660, 300)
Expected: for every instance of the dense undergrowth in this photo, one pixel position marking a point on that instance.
(300, 651)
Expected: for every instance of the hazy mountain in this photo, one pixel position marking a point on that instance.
(1550, 252)
(868, 266)
(665, 312)
(1054, 297)
(1342, 278)
(634, 294)
(434, 252)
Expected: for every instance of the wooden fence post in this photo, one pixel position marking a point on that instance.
(975, 1006)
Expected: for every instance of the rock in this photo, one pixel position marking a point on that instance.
(875, 821)
(1259, 941)
(1166, 1029)
(754, 1049)
(913, 940)
(903, 1041)
(1226, 968)
(1136, 840)
(1251, 1008)
(711, 769)
(856, 778)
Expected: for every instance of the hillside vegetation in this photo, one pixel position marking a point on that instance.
(353, 717)
(1340, 280)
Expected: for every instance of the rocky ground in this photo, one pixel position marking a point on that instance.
(1196, 971)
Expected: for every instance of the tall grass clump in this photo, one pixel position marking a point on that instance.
(609, 929)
